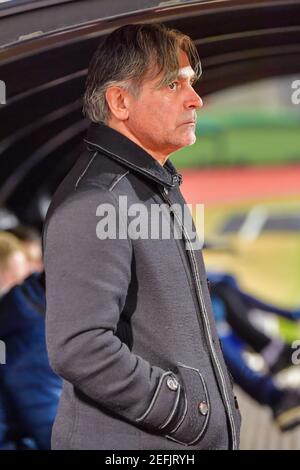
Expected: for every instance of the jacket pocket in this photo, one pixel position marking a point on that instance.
(196, 410)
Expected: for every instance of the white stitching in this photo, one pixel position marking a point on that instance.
(206, 418)
(85, 170)
(122, 160)
(184, 414)
(173, 411)
(187, 367)
(154, 398)
(117, 180)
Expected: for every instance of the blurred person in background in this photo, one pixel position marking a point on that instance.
(14, 265)
(31, 241)
(276, 353)
(260, 385)
(29, 389)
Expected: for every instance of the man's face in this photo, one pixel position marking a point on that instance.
(163, 120)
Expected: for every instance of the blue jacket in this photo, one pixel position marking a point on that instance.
(29, 389)
(249, 300)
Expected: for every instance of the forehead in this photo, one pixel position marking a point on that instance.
(183, 59)
(186, 72)
(185, 69)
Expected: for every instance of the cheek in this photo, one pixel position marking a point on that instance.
(152, 120)
(155, 117)
(163, 119)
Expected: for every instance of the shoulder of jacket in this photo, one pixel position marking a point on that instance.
(98, 177)
(102, 171)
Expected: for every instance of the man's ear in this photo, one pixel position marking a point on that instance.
(117, 101)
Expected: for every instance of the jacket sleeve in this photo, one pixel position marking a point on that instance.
(87, 279)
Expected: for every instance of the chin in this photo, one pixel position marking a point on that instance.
(189, 140)
(183, 141)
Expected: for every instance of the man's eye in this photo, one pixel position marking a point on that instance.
(173, 85)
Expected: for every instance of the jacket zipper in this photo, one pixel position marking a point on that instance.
(201, 304)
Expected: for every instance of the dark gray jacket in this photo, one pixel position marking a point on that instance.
(129, 321)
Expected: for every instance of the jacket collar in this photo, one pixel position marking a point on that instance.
(115, 145)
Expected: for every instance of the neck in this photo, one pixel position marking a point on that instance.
(160, 157)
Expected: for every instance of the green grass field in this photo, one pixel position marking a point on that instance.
(242, 138)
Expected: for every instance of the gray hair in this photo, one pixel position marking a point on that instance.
(124, 58)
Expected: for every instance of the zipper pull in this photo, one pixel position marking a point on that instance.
(177, 179)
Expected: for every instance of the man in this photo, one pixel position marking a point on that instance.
(129, 321)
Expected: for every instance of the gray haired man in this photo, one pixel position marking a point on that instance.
(129, 321)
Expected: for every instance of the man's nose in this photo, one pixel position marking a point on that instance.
(194, 101)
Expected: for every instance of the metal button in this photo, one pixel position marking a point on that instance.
(172, 383)
(203, 408)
